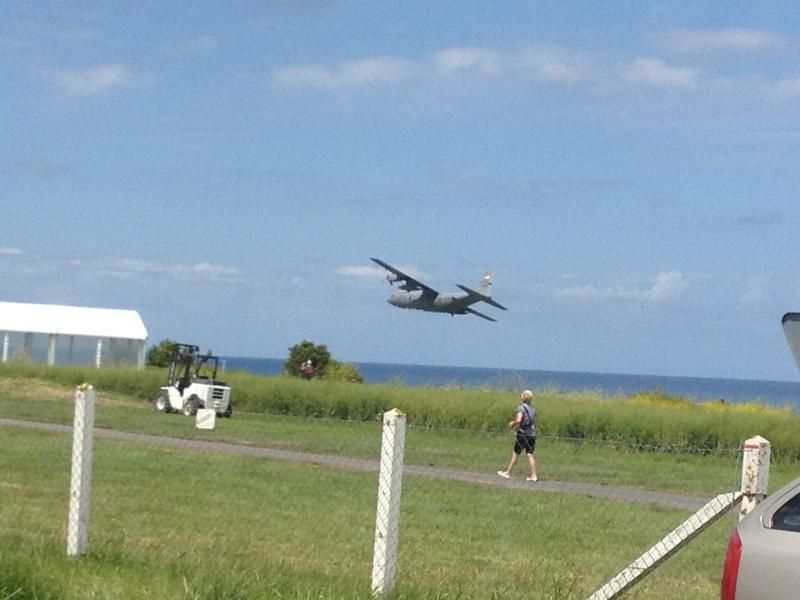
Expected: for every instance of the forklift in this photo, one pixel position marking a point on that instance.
(192, 384)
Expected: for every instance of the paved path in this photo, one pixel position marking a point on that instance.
(663, 499)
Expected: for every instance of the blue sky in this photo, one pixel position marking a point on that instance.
(627, 169)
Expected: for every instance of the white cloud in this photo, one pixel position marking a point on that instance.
(92, 80)
(125, 268)
(347, 74)
(542, 63)
(372, 273)
(451, 60)
(656, 72)
(556, 65)
(210, 271)
(667, 286)
(11, 252)
(361, 272)
(740, 41)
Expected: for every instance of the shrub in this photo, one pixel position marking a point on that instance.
(304, 351)
(337, 371)
(161, 354)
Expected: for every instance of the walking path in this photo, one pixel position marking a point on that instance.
(662, 499)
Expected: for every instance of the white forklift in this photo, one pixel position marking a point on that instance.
(192, 384)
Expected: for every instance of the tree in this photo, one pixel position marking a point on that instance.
(299, 353)
(161, 354)
(325, 366)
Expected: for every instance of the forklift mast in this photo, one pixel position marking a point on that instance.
(184, 357)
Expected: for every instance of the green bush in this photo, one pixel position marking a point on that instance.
(318, 354)
(161, 354)
(337, 371)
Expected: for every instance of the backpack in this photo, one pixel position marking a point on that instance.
(527, 417)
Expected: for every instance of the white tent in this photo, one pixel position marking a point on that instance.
(122, 330)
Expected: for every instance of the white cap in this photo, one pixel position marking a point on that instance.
(527, 395)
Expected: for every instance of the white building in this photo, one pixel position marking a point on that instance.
(71, 334)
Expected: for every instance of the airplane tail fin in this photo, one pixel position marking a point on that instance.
(484, 291)
(791, 328)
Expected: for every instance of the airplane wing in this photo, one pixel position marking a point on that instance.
(409, 283)
(472, 311)
(480, 296)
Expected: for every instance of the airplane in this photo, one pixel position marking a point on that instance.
(417, 295)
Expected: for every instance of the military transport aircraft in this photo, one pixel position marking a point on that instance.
(415, 294)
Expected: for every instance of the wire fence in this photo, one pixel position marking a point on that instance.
(262, 499)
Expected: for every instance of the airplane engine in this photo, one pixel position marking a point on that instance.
(391, 278)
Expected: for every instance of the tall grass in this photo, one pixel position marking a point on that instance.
(645, 420)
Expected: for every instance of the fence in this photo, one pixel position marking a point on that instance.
(259, 505)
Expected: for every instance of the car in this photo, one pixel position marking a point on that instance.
(762, 560)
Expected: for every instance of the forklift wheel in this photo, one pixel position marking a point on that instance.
(190, 406)
(161, 403)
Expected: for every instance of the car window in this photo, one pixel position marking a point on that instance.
(787, 517)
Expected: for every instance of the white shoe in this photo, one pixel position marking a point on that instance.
(534, 478)
(504, 474)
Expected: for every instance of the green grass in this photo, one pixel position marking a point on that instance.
(598, 462)
(179, 524)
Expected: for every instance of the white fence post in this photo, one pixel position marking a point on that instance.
(756, 454)
(669, 544)
(81, 479)
(390, 480)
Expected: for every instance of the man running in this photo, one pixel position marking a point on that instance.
(525, 425)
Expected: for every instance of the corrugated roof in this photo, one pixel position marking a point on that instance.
(72, 320)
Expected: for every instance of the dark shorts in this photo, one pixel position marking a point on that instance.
(524, 442)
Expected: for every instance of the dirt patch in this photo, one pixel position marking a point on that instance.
(36, 389)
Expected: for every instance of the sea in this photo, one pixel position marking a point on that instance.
(697, 389)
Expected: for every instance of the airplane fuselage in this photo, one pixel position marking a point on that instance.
(420, 300)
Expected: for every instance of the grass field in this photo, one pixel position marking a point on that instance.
(649, 419)
(176, 523)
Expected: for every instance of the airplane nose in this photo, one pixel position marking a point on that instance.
(392, 300)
